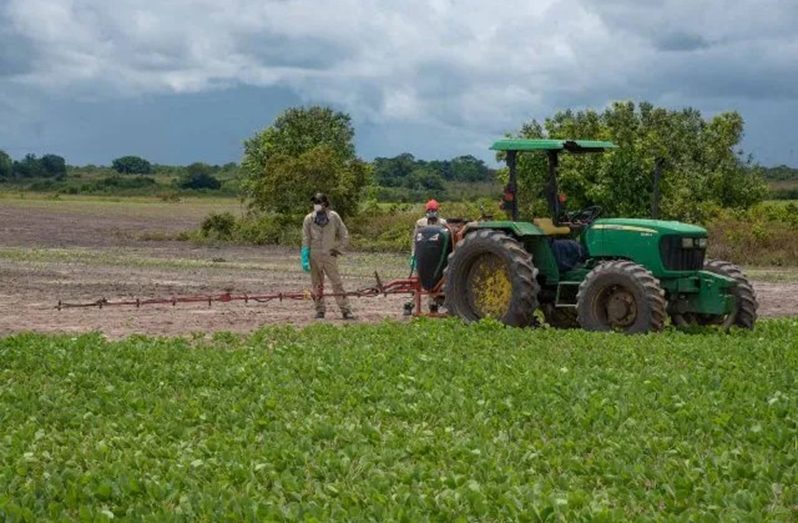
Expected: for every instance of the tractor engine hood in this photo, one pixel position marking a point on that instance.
(653, 227)
(665, 247)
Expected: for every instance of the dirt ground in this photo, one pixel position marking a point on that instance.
(82, 250)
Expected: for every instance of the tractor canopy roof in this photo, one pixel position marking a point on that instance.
(574, 146)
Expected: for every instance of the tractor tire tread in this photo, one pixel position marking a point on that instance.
(521, 269)
(747, 314)
(653, 293)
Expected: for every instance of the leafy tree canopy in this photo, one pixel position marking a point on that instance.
(702, 166)
(305, 150)
(49, 165)
(406, 171)
(6, 165)
(53, 165)
(29, 167)
(132, 165)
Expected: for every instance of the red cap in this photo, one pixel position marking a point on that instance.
(432, 205)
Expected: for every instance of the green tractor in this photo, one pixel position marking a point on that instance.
(579, 270)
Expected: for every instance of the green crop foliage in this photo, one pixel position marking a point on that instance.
(412, 422)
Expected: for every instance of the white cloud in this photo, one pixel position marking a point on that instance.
(467, 63)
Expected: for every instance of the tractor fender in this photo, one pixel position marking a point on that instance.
(519, 230)
(534, 241)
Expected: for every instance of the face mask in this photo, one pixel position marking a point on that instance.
(432, 215)
(321, 219)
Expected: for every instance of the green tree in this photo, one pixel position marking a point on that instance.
(702, 167)
(304, 151)
(393, 172)
(425, 178)
(132, 165)
(199, 176)
(28, 167)
(288, 181)
(53, 165)
(6, 165)
(469, 169)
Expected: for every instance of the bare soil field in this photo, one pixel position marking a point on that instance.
(80, 250)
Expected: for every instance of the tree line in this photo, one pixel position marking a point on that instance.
(48, 166)
(702, 167)
(307, 149)
(197, 175)
(780, 173)
(407, 172)
(404, 174)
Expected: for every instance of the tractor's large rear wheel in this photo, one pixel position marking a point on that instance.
(622, 296)
(743, 313)
(491, 275)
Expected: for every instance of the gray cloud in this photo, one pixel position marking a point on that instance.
(463, 67)
(679, 41)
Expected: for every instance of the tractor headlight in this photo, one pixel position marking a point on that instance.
(702, 243)
(687, 243)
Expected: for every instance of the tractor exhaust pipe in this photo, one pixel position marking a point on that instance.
(655, 194)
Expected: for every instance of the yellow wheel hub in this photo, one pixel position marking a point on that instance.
(489, 286)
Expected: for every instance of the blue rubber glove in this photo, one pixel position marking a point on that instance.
(412, 262)
(305, 257)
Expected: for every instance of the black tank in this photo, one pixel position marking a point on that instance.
(433, 245)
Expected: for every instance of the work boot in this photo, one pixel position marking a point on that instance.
(319, 315)
(347, 315)
(408, 310)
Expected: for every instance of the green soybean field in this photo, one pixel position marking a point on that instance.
(427, 421)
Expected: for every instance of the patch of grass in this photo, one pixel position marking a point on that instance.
(106, 201)
(773, 274)
(426, 421)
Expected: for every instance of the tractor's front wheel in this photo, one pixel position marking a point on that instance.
(491, 275)
(743, 313)
(622, 296)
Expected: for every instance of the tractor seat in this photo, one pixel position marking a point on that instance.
(549, 229)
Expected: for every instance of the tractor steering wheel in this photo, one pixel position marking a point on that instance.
(585, 216)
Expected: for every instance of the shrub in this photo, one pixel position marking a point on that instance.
(218, 226)
(199, 176)
(116, 182)
(763, 235)
(271, 229)
(42, 186)
(170, 197)
(381, 227)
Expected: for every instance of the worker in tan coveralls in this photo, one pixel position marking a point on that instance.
(324, 236)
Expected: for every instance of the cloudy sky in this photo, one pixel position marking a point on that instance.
(182, 80)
